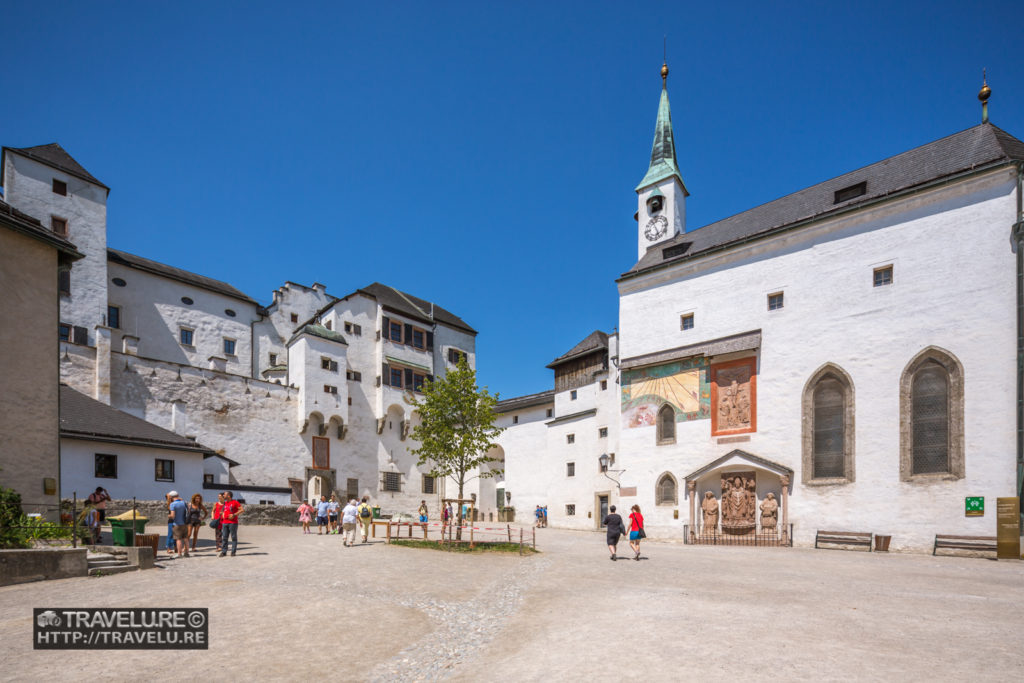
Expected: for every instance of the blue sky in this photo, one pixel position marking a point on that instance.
(481, 155)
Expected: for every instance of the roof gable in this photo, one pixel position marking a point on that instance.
(595, 341)
(976, 148)
(55, 156)
(414, 307)
(139, 263)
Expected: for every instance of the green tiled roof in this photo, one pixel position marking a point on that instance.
(663, 152)
(318, 331)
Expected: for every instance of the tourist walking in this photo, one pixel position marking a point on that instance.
(538, 517)
(229, 523)
(365, 517)
(98, 499)
(305, 516)
(321, 515)
(423, 512)
(332, 515)
(544, 515)
(170, 525)
(636, 530)
(348, 523)
(179, 521)
(614, 528)
(446, 517)
(217, 509)
(197, 512)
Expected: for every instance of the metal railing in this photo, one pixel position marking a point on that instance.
(760, 537)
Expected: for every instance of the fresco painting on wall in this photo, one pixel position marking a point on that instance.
(684, 384)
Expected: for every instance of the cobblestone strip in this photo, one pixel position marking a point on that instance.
(463, 627)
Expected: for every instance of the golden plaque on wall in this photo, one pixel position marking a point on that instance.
(1008, 528)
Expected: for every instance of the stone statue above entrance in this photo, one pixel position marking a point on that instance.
(739, 502)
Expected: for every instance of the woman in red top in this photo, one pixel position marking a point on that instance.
(216, 516)
(636, 530)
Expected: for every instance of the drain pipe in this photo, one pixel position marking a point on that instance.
(1018, 242)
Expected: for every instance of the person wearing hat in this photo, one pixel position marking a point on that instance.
(179, 520)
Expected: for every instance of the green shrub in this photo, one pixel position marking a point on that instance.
(11, 517)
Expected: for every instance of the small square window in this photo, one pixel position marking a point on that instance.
(686, 321)
(570, 469)
(207, 478)
(396, 378)
(602, 433)
(60, 187)
(357, 330)
(106, 466)
(570, 510)
(114, 317)
(396, 332)
(775, 301)
(59, 226)
(570, 438)
(572, 395)
(329, 389)
(550, 412)
(295, 317)
(428, 483)
(883, 276)
(64, 332)
(391, 481)
(515, 419)
(229, 347)
(187, 336)
(348, 328)
(164, 470)
(417, 338)
(604, 385)
(273, 359)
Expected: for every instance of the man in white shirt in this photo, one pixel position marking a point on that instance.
(348, 523)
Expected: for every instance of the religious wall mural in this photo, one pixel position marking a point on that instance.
(734, 397)
(683, 384)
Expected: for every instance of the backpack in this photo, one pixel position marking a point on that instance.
(364, 511)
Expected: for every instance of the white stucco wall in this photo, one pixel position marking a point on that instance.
(136, 470)
(953, 288)
(28, 187)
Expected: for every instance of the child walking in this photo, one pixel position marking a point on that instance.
(305, 516)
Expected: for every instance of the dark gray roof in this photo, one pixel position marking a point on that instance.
(201, 281)
(764, 462)
(27, 225)
(571, 416)
(318, 331)
(595, 341)
(973, 149)
(87, 418)
(522, 402)
(55, 156)
(413, 307)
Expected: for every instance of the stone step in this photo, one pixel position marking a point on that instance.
(99, 557)
(118, 569)
(107, 563)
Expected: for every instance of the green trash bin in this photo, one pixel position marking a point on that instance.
(122, 531)
(376, 513)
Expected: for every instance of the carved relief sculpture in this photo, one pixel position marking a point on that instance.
(769, 514)
(709, 508)
(733, 397)
(739, 503)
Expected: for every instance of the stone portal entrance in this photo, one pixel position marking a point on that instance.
(740, 497)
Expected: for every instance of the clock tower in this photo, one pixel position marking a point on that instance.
(661, 195)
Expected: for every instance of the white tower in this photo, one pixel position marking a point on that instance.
(661, 195)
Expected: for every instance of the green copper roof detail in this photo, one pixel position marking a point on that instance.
(663, 152)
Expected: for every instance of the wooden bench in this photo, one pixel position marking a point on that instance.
(844, 538)
(964, 543)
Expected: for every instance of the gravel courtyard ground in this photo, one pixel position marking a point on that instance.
(291, 606)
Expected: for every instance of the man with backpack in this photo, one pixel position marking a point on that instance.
(365, 517)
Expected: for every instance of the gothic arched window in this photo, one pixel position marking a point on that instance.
(931, 416)
(665, 491)
(666, 424)
(828, 415)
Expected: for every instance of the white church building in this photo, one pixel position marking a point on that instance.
(842, 358)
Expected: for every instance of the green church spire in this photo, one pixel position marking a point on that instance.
(663, 152)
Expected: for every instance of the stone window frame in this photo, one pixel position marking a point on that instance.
(658, 500)
(849, 431)
(661, 438)
(955, 372)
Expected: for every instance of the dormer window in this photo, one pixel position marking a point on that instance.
(851, 192)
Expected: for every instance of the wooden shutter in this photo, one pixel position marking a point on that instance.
(408, 378)
(386, 374)
(407, 337)
(430, 341)
(81, 335)
(386, 330)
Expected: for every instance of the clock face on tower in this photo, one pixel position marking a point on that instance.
(656, 228)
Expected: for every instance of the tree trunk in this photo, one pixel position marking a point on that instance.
(458, 513)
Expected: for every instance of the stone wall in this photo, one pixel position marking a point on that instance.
(40, 564)
(257, 515)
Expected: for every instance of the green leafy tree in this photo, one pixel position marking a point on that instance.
(457, 428)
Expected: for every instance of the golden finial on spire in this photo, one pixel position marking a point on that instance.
(983, 95)
(664, 61)
(664, 74)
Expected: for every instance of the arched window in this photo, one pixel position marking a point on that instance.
(931, 416)
(666, 424)
(828, 434)
(665, 491)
